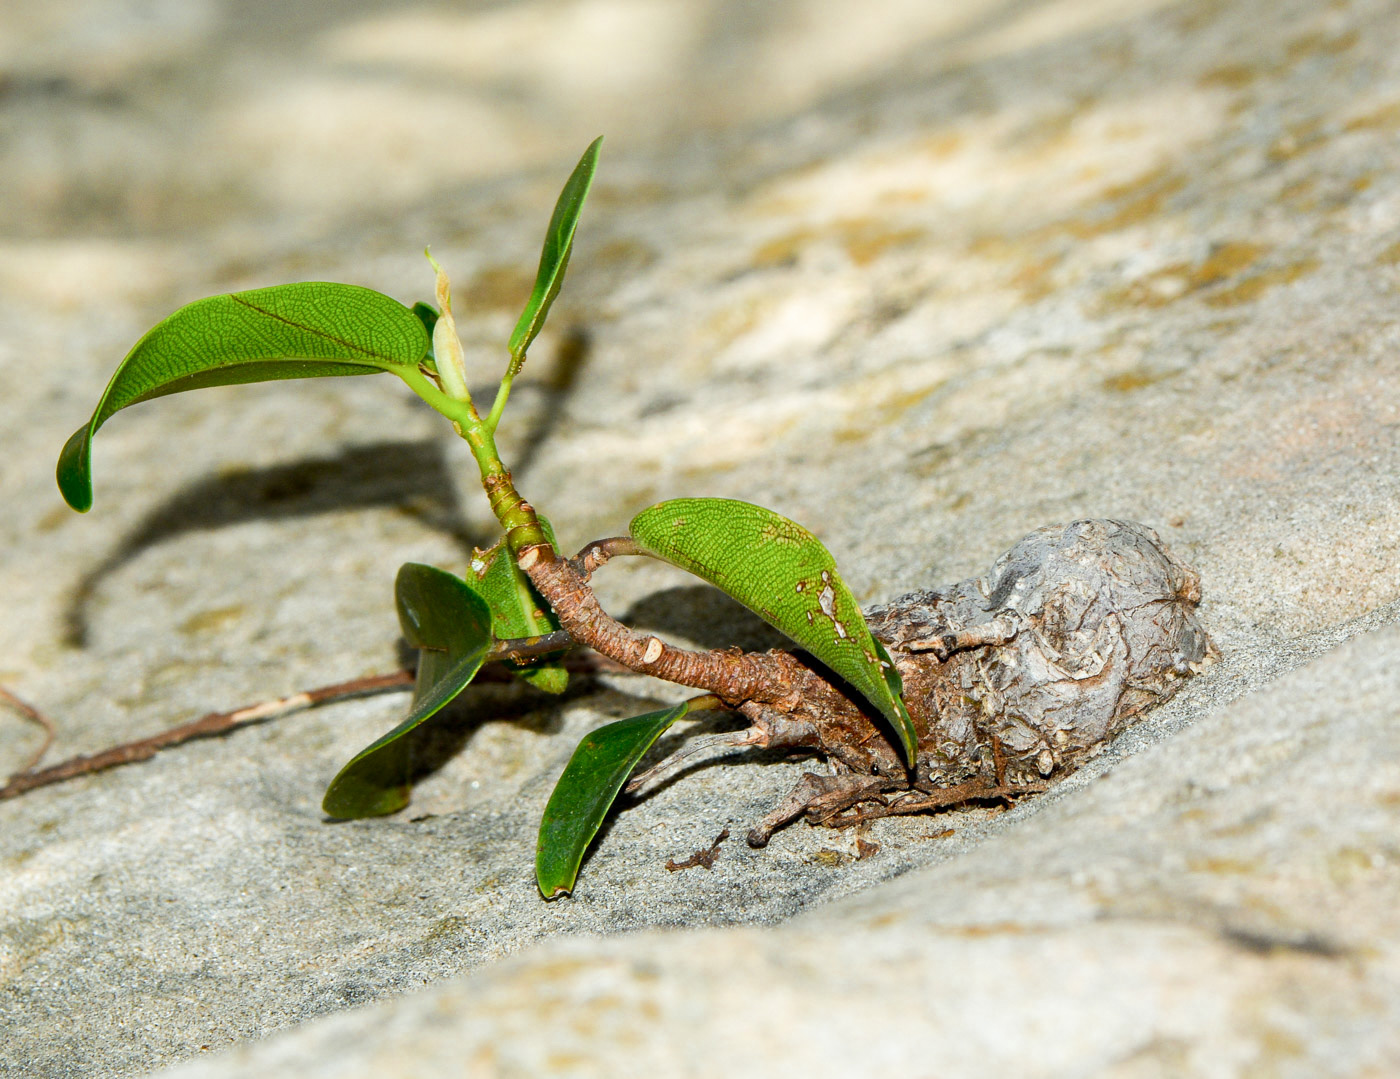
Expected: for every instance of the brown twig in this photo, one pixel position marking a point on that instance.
(207, 726)
(522, 648)
(215, 724)
(597, 554)
(29, 712)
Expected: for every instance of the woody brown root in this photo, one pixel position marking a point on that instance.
(1011, 678)
(818, 795)
(845, 799)
(733, 676)
(964, 794)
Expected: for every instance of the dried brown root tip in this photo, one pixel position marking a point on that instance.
(822, 794)
(705, 859)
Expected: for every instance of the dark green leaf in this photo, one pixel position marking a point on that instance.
(306, 330)
(427, 315)
(903, 723)
(782, 573)
(543, 675)
(451, 627)
(554, 258)
(581, 799)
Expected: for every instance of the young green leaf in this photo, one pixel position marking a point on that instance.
(517, 610)
(586, 790)
(307, 330)
(427, 315)
(782, 573)
(451, 627)
(554, 258)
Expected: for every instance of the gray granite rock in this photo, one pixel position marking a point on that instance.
(924, 280)
(1187, 914)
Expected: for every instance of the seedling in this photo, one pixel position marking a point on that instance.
(1008, 678)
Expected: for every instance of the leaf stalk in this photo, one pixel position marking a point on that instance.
(498, 406)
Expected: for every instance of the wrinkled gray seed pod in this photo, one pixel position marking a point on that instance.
(1074, 632)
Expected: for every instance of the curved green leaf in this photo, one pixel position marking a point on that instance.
(554, 258)
(517, 610)
(306, 330)
(782, 573)
(451, 627)
(586, 790)
(427, 315)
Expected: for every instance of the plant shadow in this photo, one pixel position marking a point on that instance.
(705, 616)
(414, 476)
(447, 734)
(503, 698)
(571, 356)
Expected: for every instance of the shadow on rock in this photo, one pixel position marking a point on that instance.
(705, 616)
(570, 357)
(412, 476)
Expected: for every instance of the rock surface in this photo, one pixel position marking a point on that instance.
(923, 280)
(1188, 914)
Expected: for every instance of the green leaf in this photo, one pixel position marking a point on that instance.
(554, 258)
(427, 315)
(451, 627)
(544, 676)
(782, 573)
(517, 610)
(306, 330)
(581, 799)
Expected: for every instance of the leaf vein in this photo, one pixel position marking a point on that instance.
(312, 330)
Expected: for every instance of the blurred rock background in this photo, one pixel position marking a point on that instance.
(923, 276)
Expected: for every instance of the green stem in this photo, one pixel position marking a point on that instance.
(499, 404)
(517, 517)
(461, 413)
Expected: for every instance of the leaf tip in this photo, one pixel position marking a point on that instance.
(74, 472)
(350, 797)
(906, 731)
(555, 891)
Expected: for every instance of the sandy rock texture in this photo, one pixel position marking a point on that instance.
(922, 278)
(1187, 914)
